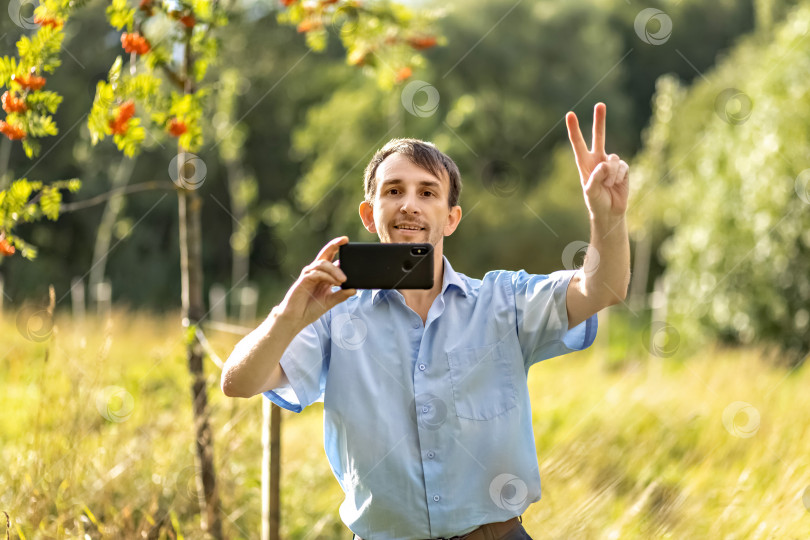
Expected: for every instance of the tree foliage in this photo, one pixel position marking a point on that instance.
(723, 179)
(156, 91)
(494, 99)
(501, 92)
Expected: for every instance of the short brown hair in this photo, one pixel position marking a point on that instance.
(420, 153)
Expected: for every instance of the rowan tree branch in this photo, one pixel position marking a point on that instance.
(126, 190)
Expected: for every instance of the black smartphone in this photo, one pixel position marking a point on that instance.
(386, 266)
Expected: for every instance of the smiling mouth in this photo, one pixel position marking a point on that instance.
(408, 228)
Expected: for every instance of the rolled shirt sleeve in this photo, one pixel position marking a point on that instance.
(542, 317)
(305, 363)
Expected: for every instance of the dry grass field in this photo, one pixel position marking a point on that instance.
(96, 442)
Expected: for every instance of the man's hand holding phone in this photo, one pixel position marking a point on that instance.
(311, 295)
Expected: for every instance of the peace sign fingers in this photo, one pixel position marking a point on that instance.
(588, 160)
(598, 141)
(575, 136)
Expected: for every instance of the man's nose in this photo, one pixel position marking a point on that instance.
(409, 205)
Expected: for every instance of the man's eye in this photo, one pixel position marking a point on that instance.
(430, 193)
(392, 190)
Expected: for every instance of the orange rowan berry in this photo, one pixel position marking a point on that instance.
(119, 125)
(48, 21)
(134, 43)
(422, 43)
(12, 104)
(403, 73)
(188, 20)
(29, 81)
(6, 248)
(119, 128)
(126, 111)
(308, 24)
(177, 127)
(13, 132)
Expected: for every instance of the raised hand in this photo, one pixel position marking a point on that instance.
(604, 178)
(311, 295)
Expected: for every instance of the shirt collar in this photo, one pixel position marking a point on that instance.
(449, 277)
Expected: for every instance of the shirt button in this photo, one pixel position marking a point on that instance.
(422, 367)
(431, 455)
(417, 324)
(436, 498)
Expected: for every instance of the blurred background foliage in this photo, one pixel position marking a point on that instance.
(720, 185)
(307, 125)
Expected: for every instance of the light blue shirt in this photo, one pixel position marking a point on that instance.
(428, 428)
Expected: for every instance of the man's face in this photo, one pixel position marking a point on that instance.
(410, 204)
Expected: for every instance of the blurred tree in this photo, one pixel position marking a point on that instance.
(494, 100)
(502, 89)
(722, 179)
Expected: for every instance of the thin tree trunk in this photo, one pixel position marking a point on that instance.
(191, 270)
(241, 257)
(641, 270)
(271, 470)
(189, 210)
(108, 218)
(5, 155)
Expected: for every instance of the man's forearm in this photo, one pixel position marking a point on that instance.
(256, 357)
(608, 277)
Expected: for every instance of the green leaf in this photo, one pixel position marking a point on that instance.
(31, 148)
(40, 125)
(49, 101)
(50, 201)
(74, 185)
(8, 67)
(130, 142)
(98, 121)
(115, 72)
(120, 15)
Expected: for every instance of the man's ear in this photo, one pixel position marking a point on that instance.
(452, 221)
(367, 215)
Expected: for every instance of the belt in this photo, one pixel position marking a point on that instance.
(490, 531)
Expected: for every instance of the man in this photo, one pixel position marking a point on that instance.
(427, 419)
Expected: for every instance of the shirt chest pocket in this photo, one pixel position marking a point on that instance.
(482, 381)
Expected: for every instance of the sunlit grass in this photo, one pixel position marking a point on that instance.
(626, 449)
